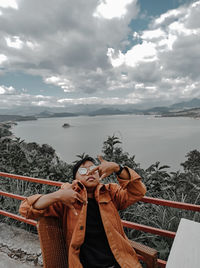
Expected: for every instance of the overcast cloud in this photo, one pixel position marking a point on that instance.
(92, 55)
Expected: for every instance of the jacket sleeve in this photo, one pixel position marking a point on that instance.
(129, 191)
(28, 211)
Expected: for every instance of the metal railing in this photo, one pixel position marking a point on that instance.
(132, 225)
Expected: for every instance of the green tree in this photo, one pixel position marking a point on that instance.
(4, 131)
(157, 179)
(109, 147)
(112, 151)
(192, 164)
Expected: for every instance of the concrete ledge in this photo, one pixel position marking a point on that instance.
(19, 248)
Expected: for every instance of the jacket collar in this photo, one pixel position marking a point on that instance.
(101, 193)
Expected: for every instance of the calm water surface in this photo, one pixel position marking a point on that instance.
(150, 139)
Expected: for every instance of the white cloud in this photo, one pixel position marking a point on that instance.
(164, 65)
(116, 61)
(98, 100)
(167, 17)
(14, 42)
(40, 100)
(167, 43)
(109, 9)
(2, 58)
(24, 99)
(17, 43)
(85, 55)
(64, 83)
(178, 28)
(153, 34)
(7, 90)
(68, 43)
(8, 3)
(32, 45)
(49, 101)
(138, 86)
(144, 52)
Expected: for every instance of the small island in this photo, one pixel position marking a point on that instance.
(66, 125)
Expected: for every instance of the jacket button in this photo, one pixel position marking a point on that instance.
(81, 227)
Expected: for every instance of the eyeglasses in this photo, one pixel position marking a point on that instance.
(83, 170)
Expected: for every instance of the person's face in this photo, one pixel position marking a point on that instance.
(89, 181)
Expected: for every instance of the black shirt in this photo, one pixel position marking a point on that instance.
(95, 252)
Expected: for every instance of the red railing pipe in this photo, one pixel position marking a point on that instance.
(148, 229)
(128, 224)
(26, 178)
(169, 203)
(15, 196)
(145, 199)
(17, 217)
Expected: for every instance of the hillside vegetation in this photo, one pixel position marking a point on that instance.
(31, 159)
(4, 118)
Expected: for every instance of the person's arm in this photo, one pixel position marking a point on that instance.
(131, 188)
(50, 204)
(106, 168)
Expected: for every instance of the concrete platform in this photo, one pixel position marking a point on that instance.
(7, 262)
(18, 248)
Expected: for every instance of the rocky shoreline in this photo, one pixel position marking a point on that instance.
(192, 113)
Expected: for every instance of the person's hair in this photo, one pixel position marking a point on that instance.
(80, 162)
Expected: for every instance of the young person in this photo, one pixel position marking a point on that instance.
(89, 213)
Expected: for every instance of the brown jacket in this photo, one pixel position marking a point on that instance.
(110, 197)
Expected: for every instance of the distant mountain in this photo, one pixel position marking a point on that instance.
(44, 114)
(194, 113)
(107, 111)
(34, 110)
(110, 110)
(63, 114)
(99, 109)
(4, 118)
(157, 110)
(194, 103)
(113, 111)
(47, 114)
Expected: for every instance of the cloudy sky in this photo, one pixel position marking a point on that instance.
(56, 53)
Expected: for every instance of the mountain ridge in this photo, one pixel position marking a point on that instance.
(185, 108)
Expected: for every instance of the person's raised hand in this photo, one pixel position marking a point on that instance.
(105, 168)
(68, 196)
